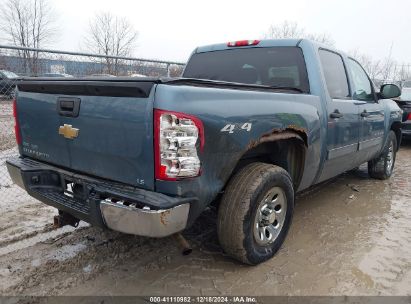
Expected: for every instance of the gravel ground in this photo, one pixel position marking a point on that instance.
(7, 139)
(350, 236)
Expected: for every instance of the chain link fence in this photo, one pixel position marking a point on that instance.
(17, 63)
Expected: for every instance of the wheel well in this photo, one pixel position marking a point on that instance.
(288, 154)
(396, 127)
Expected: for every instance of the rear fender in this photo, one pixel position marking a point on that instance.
(236, 122)
(286, 149)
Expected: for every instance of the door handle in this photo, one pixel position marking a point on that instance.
(68, 106)
(365, 114)
(336, 114)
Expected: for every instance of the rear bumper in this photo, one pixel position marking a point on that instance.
(101, 202)
(153, 223)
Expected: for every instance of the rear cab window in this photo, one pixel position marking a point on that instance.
(282, 67)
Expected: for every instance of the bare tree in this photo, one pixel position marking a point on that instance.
(388, 66)
(28, 23)
(289, 29)
(111, 36)
(404, 72)
(383, 70)
(284, 30)
(372, 66)
(176, 70)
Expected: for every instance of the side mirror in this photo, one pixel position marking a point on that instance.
(388, 91)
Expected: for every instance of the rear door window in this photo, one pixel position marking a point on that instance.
(335, 74)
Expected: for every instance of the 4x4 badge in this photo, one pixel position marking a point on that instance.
(68, 131)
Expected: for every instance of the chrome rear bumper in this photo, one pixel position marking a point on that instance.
(152, 223)
(159, 215)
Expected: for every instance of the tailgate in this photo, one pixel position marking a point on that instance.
(98, 127)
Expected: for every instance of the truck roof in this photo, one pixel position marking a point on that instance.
(268, 43)
(262, 43)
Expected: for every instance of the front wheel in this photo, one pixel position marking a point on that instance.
(255, 213)
(382, 166)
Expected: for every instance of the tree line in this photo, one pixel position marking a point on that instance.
(380, 70)
(33, 24)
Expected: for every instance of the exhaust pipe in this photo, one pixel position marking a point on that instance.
(182, 244)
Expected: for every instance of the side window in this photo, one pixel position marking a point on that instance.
(335, 75)
(363, 87)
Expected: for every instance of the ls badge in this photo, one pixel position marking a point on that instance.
(68, 131)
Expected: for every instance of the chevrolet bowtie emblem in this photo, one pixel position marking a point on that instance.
(68, 131)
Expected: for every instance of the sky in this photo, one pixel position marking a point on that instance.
(170, 30)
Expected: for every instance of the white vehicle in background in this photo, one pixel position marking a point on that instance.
(406, 83)
(137, 75)
(62, 75)
(101, 75)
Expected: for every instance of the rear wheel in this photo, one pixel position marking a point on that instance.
(255, 213)
(382, 166)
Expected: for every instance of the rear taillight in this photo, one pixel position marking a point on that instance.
(177, 139)
(243, 43)
(16, 123)
(409, 116)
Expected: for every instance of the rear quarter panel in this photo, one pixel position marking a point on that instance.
(217, 108)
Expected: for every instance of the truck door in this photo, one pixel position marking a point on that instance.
(371, 113)
(343, 117)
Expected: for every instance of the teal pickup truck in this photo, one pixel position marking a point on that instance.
(248, 125)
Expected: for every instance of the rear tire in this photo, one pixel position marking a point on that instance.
(255, 213)
(382, 166)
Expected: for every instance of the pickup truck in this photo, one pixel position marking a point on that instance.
(404, 102)
(248, 125)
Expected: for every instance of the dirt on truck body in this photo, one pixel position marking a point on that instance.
(351, 236)
(249, 125)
